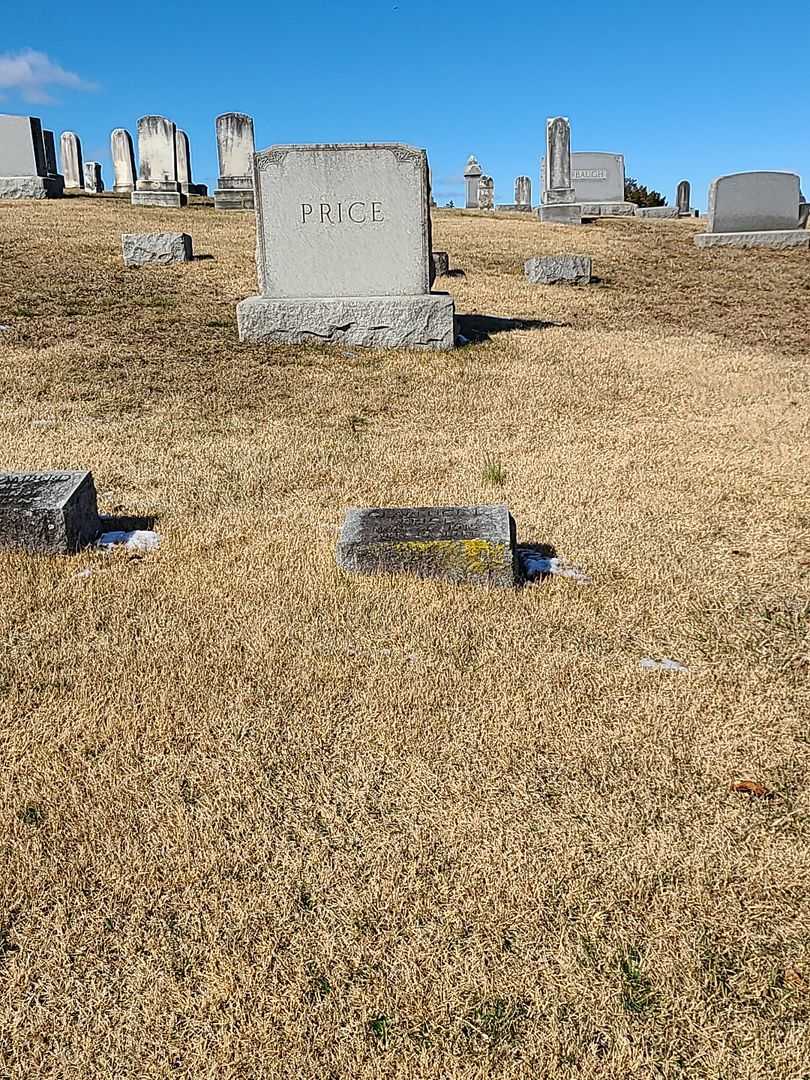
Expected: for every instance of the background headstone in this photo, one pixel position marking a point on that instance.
(93, 183)
(235, 150)
(50, 153)
(598, 180)
(462, 544)
(683, 199)
(472, 180)
(24, 172)
(523, 192)
(157, 183)
(72, 165)
(441, 263)
(123, 159)
(559, 204)
(343, 248)
(486, 193)
(558, 270)
(183, 148)
(49, 512)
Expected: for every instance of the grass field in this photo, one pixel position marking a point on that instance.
(260, 819)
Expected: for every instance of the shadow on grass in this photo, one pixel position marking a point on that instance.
(119, 523)
(534, 561)
(477, 328)
(200, 258)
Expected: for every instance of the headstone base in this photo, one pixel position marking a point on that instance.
(234, 199)
(379, 322)
(462, 544)
(772, 238)
(561, 213)
(194, 189)
(522, 208)
(173, 199)
(657, 211)
(123, 189)
(608, 209)
(31, 187)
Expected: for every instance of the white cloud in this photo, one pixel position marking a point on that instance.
(31, 74)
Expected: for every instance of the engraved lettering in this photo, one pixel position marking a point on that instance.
(375, 206)
(326, 212)
(306, 210)
(357, 220)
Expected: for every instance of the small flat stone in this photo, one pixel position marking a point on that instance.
(144, 249)
(558, 270)
(462, 544)
(657, 211)
(53, 513)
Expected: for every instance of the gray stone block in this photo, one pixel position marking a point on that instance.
(171, 199)
(520, 208)
(383, 322)
(470, 544)
(561, 213)
(558, 270)
(441, 263)
(31, 187)
(234, 199)
(50, 512)
(608, 209)
(771, 238)
(657, 211)
(143, 249)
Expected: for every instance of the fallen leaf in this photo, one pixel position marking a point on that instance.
(796, 980)
(751, 787)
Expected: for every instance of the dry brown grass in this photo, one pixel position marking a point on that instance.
(260, 819)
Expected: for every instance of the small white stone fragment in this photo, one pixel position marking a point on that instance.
(648, 664)
(138, 540)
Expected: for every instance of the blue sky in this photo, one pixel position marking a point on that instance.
(723, 90)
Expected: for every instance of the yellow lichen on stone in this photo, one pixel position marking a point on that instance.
(472, 556)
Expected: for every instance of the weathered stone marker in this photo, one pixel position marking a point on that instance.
(123, 159)
(472, 180)
(157, 156)
(143, 249)
(343, 249)
(559, 205)
(598, 180)
(183, 148)
(471, 544)
(72, 166)
(558, 270)
(50, 512)
(93, 183)
(523, 193)
(754, 209)
(441, 263)
(657, 211)
(235, 150)
(24, 167)
(486, 193)
(683, 199)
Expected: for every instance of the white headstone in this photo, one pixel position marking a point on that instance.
(559, 204)
(598, 177)
(754, 209)
(472, 181)
(123, 159)
(344, 248)
(93, 184)
(486, 193)
(72, 166)
(157, 164)
(235, 150)
(523, 191)
(183, 148)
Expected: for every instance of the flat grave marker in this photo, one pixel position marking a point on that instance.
(53, 513)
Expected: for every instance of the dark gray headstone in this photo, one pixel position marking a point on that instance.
(441, 263)
(474, 544)
(50, 512)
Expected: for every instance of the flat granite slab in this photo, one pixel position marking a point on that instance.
(390, 322)
(558, 270)
(608, 209)
(463, 544)
(54, 513)
(171, 199)
(143, 249)
(772, 238)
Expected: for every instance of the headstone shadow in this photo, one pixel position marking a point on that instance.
(534, 561)
(122, 523)
(478, 328)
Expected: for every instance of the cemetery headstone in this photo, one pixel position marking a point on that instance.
(157, 183)
(343, 249)
(683, 199)
(143, 249)
(72, 166)
(235, 150)
(462, 544)
(187, 185)
(93, 183)
(523, 193)
(559, 203)
(441, 263)
(24, 172)
(472, 180)
(754, 209)
(53, 513)
(598, 180)
(486, 193)
(558, 270)
(123, 159)
(50, 153)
